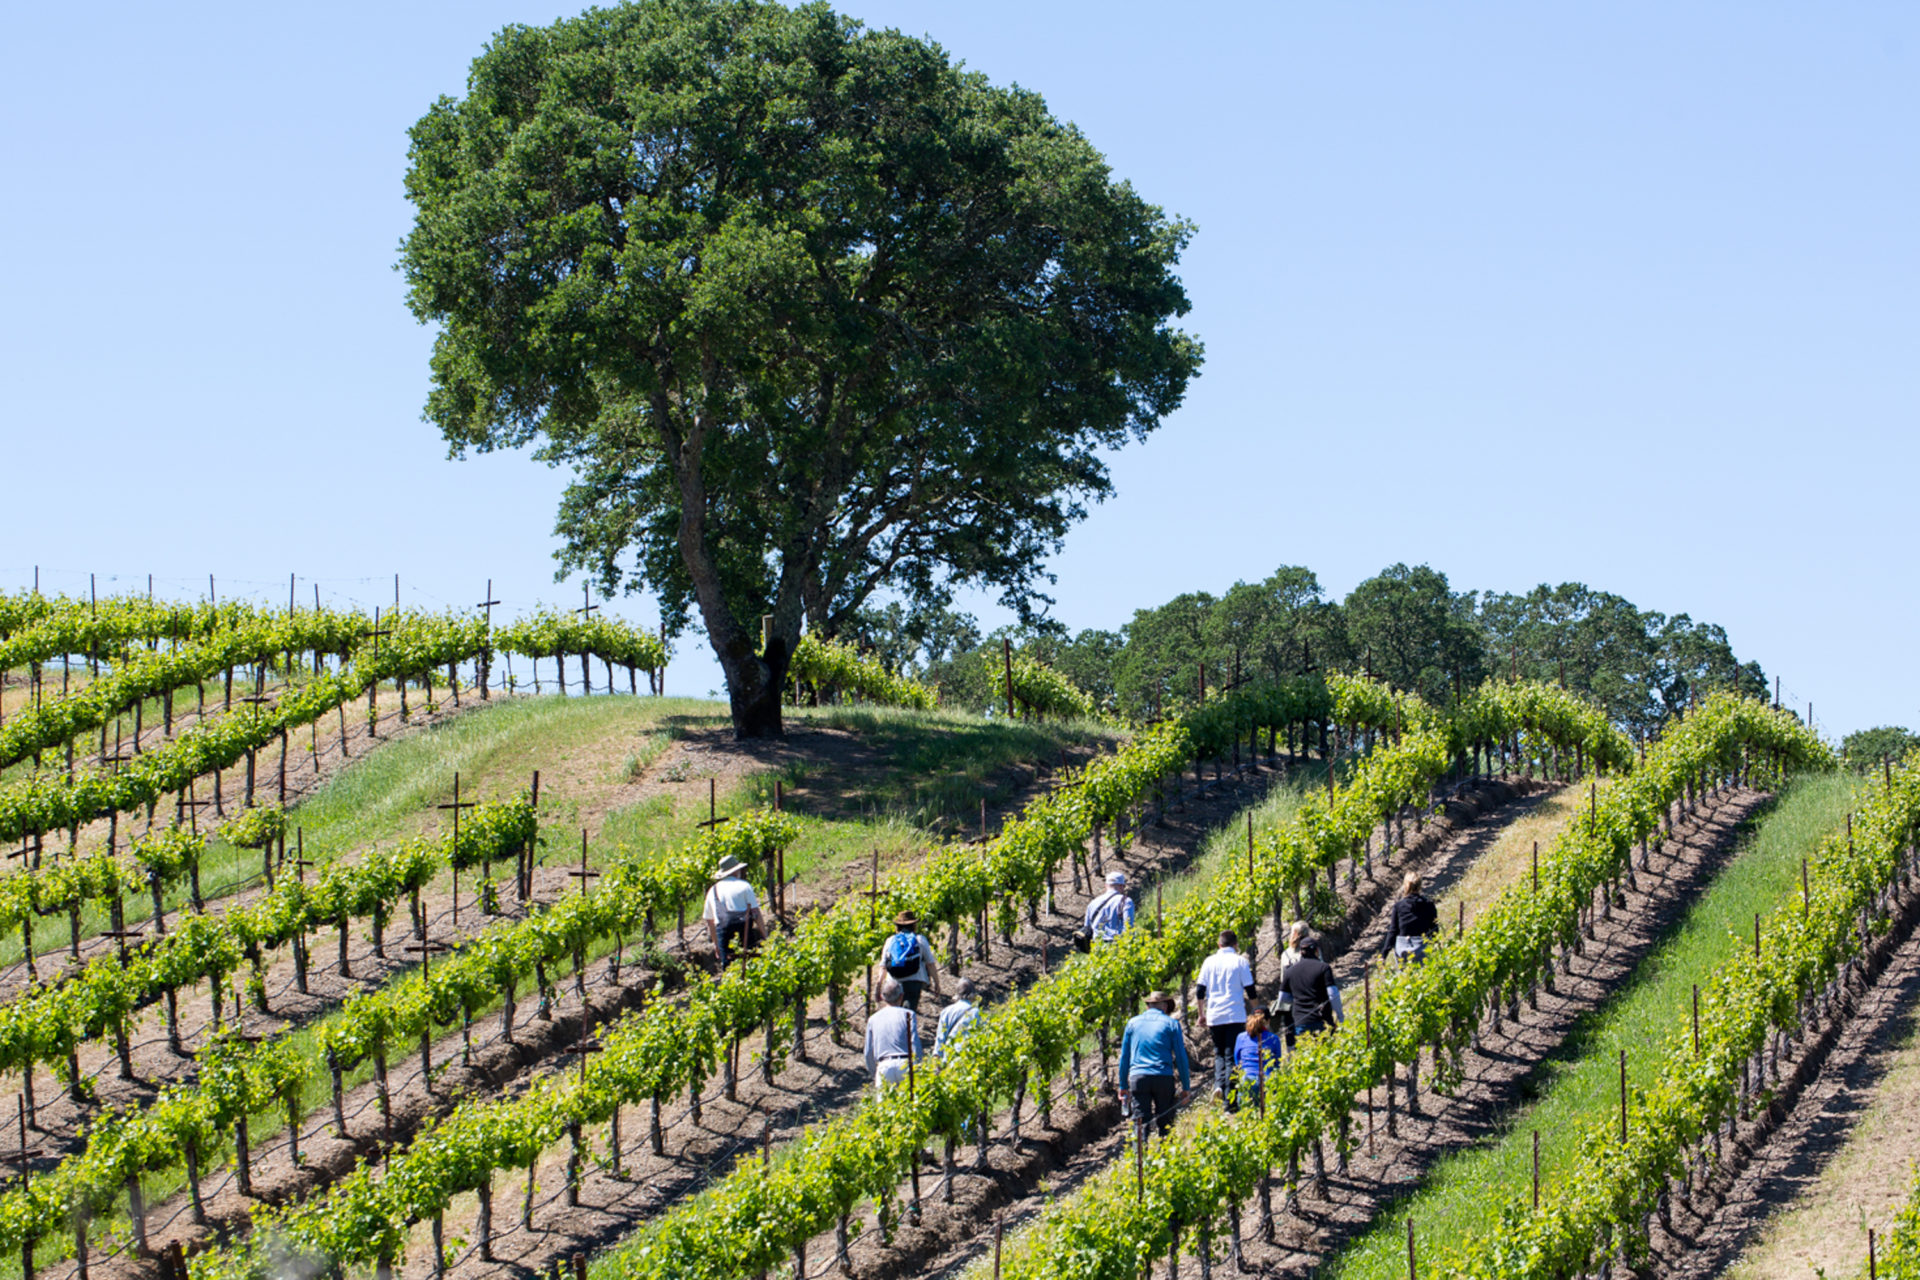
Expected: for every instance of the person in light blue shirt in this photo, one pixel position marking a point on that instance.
(1111, 914)
(957, 1018)
(1152, 1051)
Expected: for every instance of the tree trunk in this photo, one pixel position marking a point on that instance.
(753, 688)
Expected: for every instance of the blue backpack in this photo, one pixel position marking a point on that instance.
(902, 956)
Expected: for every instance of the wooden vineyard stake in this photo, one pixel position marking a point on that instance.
(1623, 1095)
(486, 644)
(1006, 654)
(526, 862)
(454, 859)
(713, 804)
(583, 875)
(586, 612)
(1413, 1266)
(24, 1157)
(1806, 890)
(1536, 867)
(1536, 1171)
(1366, 997)
(1696, 1019)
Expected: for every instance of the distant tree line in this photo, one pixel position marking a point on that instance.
(1404, 625)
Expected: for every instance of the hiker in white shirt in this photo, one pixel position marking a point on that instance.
(908, 959)
(732, 912)
(893, 1037)
(1224, 982)
(1110, 914)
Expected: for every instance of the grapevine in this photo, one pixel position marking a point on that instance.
(832, 664)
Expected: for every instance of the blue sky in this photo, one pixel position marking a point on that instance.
(1622, 294)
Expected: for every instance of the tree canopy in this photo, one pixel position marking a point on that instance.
(1865, 749)
(809, 311)
(1406, 625)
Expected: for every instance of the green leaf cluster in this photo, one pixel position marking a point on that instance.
(832, 664)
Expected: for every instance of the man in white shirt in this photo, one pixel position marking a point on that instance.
(1224, 982)
(893, 1037)
(732, 911)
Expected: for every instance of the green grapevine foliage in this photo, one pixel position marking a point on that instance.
(1038, 687)
(1900, 1252)
(417, 645)
(1112, 1226)
(830, 664)
(1806, 941)
(756, 1215)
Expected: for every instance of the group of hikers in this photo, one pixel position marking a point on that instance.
(1248, 1038)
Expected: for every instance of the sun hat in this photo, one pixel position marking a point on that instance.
(905, 920)
(1118, 879)
(729, 866)
(1158, 997)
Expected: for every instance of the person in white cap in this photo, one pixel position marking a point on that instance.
(1110, 914)
(732, 912)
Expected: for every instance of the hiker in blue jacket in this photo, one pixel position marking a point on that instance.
(1152, 1050)
(908, 959)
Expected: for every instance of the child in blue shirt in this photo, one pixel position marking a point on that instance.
(1255, 1053)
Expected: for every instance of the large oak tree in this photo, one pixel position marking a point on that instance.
(809, 311)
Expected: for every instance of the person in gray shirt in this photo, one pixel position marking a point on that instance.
(957, 1018)
(893, 1036)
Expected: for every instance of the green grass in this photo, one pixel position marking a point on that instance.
(1578, 1087)
(939, 764)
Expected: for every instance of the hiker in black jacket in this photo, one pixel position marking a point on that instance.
(1413, 918)
(1315, 996)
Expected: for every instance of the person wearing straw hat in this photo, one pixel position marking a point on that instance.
(908, 959)
(732, 911)
(1152, 1053)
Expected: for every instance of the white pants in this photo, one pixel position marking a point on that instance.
(890, 1071)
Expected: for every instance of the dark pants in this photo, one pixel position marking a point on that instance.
(1308, 1025)
(911, 991)
(1224, 1034)
(1152, 1103)
(734, 939)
